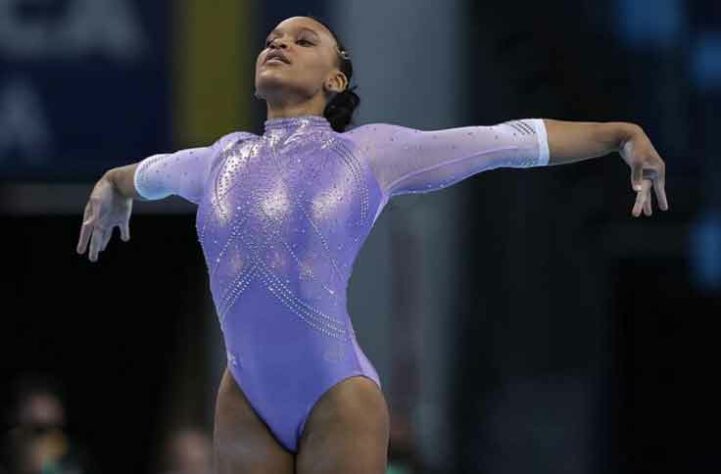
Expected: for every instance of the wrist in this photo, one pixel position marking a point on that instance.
(112, 178)
(624, 132)
(109, 176)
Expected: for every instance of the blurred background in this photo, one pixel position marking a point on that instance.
(520, 320)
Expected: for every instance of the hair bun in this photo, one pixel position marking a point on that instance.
(340, 109)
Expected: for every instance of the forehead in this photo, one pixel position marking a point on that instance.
(299, 23)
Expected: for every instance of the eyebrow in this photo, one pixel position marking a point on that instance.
(276, 30)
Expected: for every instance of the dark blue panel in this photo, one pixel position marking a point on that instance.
(651, 23)
(705, 14)
(73, 107)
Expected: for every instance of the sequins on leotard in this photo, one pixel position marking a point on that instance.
(289, 209)
(297, 212)
(281, 218)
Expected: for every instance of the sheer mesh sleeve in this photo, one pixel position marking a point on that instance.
(183, 173)
(406, 160)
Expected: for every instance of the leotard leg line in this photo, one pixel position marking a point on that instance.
(285, 366)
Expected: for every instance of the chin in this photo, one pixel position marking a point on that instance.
(270, 80)
(277, 86)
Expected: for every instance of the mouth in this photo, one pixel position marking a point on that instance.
(276, 57)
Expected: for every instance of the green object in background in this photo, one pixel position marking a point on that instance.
(50, 468)
(394, 468)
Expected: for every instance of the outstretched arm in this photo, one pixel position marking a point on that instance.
(406, 160)
(111, 200)
(183, 173)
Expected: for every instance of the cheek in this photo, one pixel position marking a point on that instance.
(314, 69)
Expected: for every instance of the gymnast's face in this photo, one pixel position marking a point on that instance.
(309, 66)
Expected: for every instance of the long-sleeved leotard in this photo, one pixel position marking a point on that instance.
(281, 218)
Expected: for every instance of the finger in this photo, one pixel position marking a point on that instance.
(658, 186)
(638, 205)
(85, 231)
(106, 238)
(95, 244)
(86, 212)
(647, 203)
(125, 231)
(637, 177)
(90, 212)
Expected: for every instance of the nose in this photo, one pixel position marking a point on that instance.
(274, 43)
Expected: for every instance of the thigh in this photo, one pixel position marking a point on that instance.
(242, 442)
(346, 431)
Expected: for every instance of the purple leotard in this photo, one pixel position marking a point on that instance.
(281, 218)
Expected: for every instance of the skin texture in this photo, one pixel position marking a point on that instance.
(311, 79)
(242, 442)
(347, 431)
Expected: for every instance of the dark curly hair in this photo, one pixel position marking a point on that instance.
(339, 110)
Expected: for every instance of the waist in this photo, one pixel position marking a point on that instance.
(271, 308)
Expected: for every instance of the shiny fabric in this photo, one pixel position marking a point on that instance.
(281, 218)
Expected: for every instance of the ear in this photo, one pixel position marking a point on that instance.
(337, 82)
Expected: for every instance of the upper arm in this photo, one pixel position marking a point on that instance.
(407, 160)
(183, 173)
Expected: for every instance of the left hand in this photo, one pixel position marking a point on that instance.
(647, 170)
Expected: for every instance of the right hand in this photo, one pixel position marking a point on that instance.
(106, 208)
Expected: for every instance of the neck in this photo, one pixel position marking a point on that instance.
(286, 108)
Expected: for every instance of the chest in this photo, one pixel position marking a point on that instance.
(271, 193)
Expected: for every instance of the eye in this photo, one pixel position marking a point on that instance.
(304, 41)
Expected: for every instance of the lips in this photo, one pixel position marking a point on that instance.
(276, 54)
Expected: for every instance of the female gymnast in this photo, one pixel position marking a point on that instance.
(281, 217)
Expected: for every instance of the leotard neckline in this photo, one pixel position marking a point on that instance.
(309, 122)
